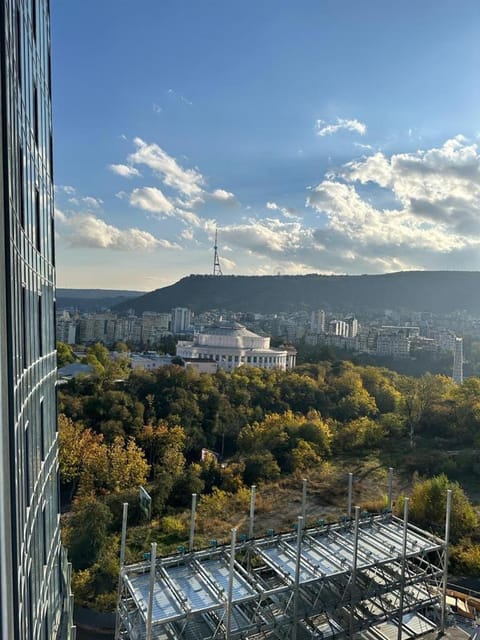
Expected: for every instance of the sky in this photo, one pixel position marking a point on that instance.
(317, 136)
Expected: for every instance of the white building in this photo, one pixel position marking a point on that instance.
(232, 346)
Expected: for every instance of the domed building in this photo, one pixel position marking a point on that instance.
(232, 346)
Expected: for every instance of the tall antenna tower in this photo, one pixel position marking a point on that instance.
(217, 270)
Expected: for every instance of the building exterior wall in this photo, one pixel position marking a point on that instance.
(31, 590)
(233, 347)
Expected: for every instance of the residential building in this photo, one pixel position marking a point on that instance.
(34, 589)
(458, 361)
(181, 320)
(317, 321)
(232, 345)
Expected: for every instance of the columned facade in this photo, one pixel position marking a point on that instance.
(232, 346)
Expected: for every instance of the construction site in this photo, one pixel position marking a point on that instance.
(376, 577)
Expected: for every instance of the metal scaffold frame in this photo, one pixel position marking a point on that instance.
(331, 580)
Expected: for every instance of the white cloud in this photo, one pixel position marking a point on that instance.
(91, 202)
(422, 209)
(85, 230)
(188, 182)
(59, 215)
(67, 189)
(222, 196)
(151, 199)
(227, 264)
(342, 124)
(124, 170)
(288, 212)
(187, 234)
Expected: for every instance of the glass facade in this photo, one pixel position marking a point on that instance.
(32, 589)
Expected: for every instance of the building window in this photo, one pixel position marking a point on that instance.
(21, 185)
(34, 19)
(35, 114)
(40, 326)
(18, 50)
(38, 234)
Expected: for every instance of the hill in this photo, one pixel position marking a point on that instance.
(434, 291)
(92, 300)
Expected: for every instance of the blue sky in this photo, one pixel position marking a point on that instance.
(328, 137)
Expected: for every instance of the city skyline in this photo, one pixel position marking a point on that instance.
(321, 137)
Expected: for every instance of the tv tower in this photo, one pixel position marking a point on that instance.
(217, 270)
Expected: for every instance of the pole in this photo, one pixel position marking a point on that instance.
(354, 569)
(252, 511)
(404, 561)
(300, 523)
(152, 587)
(445, 565)
(390, 488)
(122, 562)
(350, 492)
(304, 499)
(230, 584)
(192, 522)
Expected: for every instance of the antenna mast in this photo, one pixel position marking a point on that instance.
(217, 270)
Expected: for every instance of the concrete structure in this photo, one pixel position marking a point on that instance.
(35, 596)
(232, 346)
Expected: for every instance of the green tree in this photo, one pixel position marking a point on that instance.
(87, 531)
(428, 505)
(65, 354)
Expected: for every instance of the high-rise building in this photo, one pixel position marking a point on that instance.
(317, 321)
(181, 320)
(458, 360)
(33, 593)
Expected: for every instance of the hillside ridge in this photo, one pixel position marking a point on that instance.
(430, 291)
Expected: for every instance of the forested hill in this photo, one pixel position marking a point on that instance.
(92, 300)
(435, 291)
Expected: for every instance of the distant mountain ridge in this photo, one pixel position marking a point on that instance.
(431, 291)
(92, 300)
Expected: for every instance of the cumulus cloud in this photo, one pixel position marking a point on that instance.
(222, 196)
(187, 182)
(124, 170)
(151, 199)
(433, 218)
(417, 210)
(324, 128)
(85, 230)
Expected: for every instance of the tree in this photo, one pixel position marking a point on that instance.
(428, 505)
(127, 465)
(65, 354)
(87, 532)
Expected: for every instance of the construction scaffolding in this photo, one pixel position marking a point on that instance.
(368, 576)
